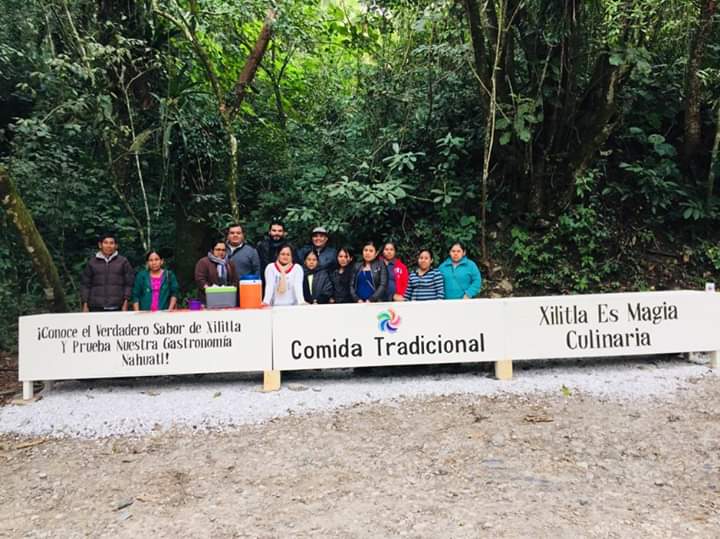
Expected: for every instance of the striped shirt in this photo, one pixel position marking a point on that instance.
(425, 287)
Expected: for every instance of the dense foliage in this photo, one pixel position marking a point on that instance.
(576, 140)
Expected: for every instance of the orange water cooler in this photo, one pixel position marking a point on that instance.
(250, 292)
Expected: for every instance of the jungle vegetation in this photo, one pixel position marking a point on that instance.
(572, 144)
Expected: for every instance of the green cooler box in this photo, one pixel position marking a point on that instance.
(221, 297)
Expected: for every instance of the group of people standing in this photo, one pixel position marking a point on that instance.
(318, 273)
(314, 274)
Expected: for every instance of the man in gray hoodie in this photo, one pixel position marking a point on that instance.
(243, 257)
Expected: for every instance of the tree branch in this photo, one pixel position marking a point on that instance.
(252, 63)
(182, 24)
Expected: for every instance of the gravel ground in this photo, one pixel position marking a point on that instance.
(139, 406)
(610, 449)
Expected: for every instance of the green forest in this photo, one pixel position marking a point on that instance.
(572, 145)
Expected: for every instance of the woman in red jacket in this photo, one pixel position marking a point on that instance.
(397, 273)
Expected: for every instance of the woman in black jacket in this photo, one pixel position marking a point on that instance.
(368, 283)
(317, 287)
(341, 277)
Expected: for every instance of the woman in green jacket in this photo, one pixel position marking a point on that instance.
(155, 288)
(461, 275)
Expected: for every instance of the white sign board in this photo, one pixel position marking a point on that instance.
(100, 345)
(373, 334)
(612, 324)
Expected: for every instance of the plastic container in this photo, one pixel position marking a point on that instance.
(221, 297)
(194, 304)
(250, 292)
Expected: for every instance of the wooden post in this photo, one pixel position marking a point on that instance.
(503, 369)
(710, 287)
(715, 359)
(28, 391)
(271, 381)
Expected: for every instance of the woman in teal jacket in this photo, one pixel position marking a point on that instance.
(461, 275)
(155, 288)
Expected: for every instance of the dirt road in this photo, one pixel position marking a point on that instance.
(462, 466)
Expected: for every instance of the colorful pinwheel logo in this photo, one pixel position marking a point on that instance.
(388, 321)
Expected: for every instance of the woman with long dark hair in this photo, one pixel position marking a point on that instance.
(341, 277)
(369, 279)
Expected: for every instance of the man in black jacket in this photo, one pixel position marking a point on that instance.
(107, 281)
(267, 248)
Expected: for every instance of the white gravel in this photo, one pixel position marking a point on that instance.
(139, 406)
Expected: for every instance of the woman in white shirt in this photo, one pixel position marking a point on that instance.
(284, 280)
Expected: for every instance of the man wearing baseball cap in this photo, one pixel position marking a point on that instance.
(326, 254)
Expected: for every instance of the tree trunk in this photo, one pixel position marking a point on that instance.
(190, 242)
(232, 179)
(477, 39)
(693, 89)
(714, 164)
(496, 16)
(594, 120)
(489, 141)
(33, 242)
(557, 133)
